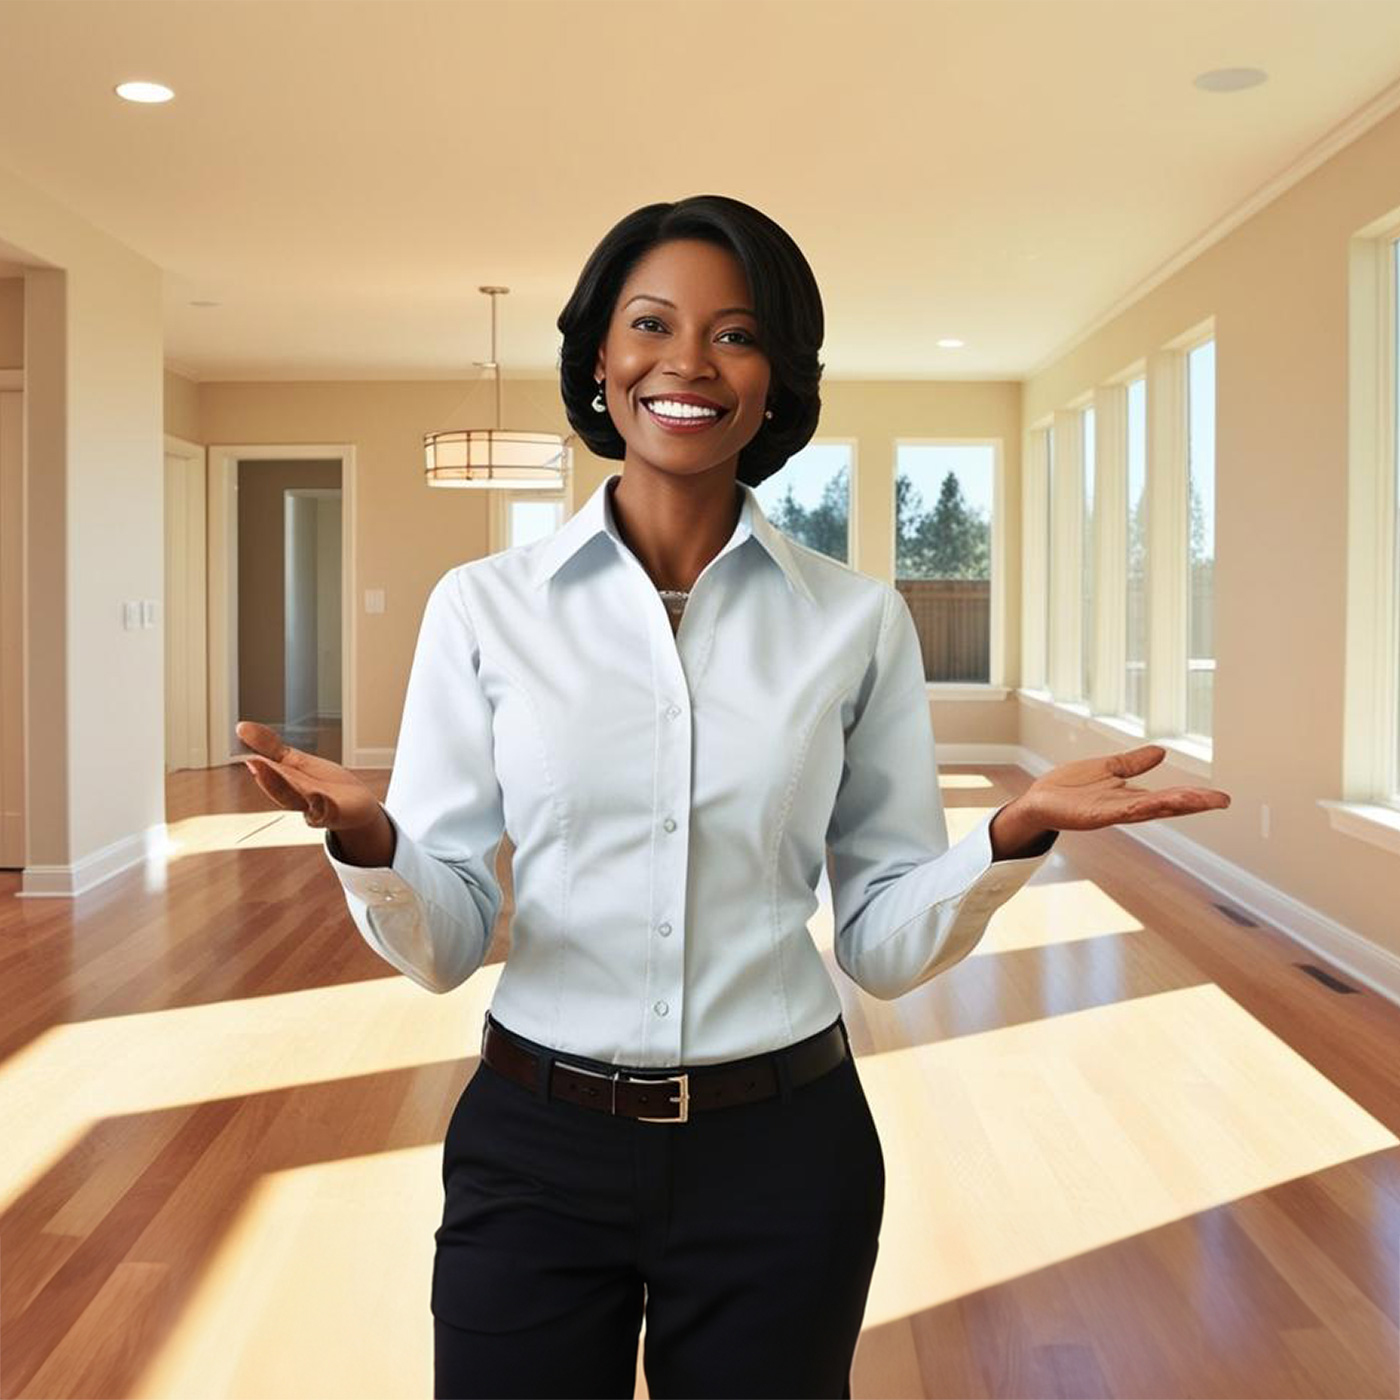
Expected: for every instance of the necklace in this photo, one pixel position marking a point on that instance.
(674, 598)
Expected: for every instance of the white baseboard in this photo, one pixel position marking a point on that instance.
(69, 881)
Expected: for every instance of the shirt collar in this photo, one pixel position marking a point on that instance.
(596, 517)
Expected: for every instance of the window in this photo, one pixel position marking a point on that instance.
(1200, 437)
(1086, 680)
(943, 546)
(530, 518)
(1135, 679)
(810, 498)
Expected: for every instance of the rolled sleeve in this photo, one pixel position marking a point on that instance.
(906, 905)
(431, 911)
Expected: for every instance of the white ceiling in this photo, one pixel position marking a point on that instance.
(343, 176)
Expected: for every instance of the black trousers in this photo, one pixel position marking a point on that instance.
(747, 1235)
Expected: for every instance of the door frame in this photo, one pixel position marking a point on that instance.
(193, 653)
(223, 588)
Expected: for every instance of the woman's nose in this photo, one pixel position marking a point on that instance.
(689, 358)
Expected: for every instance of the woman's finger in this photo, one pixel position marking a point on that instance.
(273, 782)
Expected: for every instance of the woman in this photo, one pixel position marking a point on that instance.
(679, 714)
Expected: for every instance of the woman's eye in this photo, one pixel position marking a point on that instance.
(643, 321)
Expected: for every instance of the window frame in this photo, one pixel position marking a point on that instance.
(998, 685)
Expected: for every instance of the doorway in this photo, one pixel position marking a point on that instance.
(281, 624)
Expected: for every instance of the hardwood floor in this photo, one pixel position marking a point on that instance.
(1132, 1148)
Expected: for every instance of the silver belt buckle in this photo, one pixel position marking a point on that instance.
(683, 1079)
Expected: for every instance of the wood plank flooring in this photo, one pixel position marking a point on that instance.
(1132, 1149)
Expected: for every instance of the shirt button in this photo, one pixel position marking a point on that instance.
(669, 824)
(661, 1008)
(664, 930)
(387, 896)
(674, 711)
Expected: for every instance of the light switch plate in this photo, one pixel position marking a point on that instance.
(131, 616)
(374, 600)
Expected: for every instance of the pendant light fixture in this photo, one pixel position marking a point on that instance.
(510, 459)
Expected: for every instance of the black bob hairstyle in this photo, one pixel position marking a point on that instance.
(786, 302)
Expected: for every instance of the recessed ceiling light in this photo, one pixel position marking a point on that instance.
(950, 343)
(1229, 79)
(206, 303)
(144, 92)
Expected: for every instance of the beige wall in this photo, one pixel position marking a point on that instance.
(95, 478)
(1277, 286)
(181, 407)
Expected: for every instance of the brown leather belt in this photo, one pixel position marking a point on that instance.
(661, 1097)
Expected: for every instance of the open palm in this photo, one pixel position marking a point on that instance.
(329, 795)
(1094, 792)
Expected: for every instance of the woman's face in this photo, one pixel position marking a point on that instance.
(699, 344)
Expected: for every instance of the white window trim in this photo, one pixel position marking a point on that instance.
(1368, 738)
(1183, 347)
(998, 659)
(1111, 562)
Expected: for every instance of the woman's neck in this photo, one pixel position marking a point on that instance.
(675, 525)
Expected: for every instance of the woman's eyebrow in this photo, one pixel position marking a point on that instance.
(723, 311)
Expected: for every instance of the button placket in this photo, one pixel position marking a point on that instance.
(665, 988)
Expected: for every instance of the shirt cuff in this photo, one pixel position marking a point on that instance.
(967, 874)
(392, 884)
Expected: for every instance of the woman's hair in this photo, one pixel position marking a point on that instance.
(786, 302)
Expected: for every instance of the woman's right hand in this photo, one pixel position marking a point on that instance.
(330, 796)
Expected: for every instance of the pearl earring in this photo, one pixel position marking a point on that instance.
(598, 405)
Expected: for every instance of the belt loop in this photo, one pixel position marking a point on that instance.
(784, 1073)
(544, 1068)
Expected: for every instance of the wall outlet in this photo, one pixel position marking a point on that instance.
(1264, 820)
(148, 612)
(374, 600)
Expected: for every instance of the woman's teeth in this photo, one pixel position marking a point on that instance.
(669, 408)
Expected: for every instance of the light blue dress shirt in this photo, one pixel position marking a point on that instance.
(671, 797)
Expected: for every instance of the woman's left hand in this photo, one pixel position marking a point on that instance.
(1094, 792)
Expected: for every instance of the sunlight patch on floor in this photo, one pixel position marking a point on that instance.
(1013, 1149)
(239, 831)
(72, 1076)
(321, 1286)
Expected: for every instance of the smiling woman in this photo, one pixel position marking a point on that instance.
(682, 716)
(771, 324)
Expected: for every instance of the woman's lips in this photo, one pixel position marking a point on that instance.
(683, 425)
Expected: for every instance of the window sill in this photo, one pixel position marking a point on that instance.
(1188, 754)
(1368, 821)
(965, 690)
